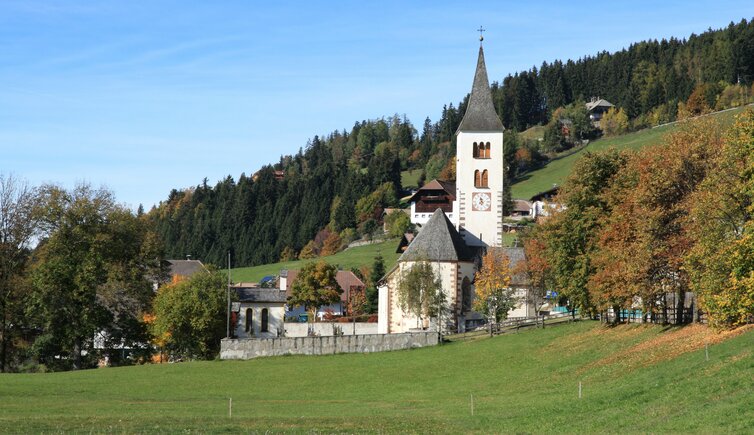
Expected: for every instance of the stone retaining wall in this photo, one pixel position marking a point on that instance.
(329, 328)
(254, 348)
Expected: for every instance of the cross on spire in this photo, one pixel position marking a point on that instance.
(480, 30)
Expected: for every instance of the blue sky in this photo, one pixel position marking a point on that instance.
(143, 97)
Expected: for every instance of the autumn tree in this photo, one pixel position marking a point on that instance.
(538, 271)
(190, 315)
(720, 224)
(614, 122)
(494, 296)
(315, 285)
(570, 236)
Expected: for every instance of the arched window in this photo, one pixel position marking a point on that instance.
(249, 313)
(484, 179)
(487, 151)
(466, 296)
(477, 179)
(476, 150)
(265, 320)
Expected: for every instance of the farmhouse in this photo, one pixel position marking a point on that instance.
(597, 108)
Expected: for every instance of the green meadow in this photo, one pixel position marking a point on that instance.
(354, 257)
(634, 379)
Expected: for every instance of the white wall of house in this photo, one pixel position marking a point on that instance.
(275, 316)
(422, 218)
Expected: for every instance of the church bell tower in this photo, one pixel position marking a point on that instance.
(479, 165)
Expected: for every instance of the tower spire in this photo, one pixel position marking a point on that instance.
(480, 112)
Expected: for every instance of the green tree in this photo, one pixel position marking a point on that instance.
(92, 277)
(315, 286)
(190, 315)
(418, 290)
(372, 294)
(18, 226)
(397, 223)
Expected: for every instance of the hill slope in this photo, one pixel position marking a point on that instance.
(556, 171)
(353, 257)
(635, 378)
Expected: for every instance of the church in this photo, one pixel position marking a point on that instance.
(454, 236)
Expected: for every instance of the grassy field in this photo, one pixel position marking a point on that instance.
(635, 379)
(556, 171)
(354, 257)
(410, 178)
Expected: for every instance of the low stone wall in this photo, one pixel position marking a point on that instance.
(329, 328)
(254, 348)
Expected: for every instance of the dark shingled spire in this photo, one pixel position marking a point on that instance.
(480, 114)
(438, 240)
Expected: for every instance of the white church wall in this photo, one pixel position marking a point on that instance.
(397, 321)
(382, 310)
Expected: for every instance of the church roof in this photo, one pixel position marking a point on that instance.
(438, 240)
(480, 113)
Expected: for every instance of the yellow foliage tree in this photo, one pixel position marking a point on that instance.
(494, 297)
(614, 122)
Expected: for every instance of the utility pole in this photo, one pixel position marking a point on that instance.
(227, 335)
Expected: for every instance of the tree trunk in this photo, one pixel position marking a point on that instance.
(679, 305)
(77, 354)
(664, 308)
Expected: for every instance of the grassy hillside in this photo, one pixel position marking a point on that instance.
(354, 257)
(556, 171)
(410, 178)
(635, 379)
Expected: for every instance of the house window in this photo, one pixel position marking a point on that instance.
(248, 320)
(265, 320)
(466, 294)
(484, 179)
(476, 150)
(477, 179)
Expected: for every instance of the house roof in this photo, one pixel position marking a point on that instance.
(345, 278)
(516, 256)
(438, 240)
(601, 102)
(186, 268)
(480, 113)
(246, 294)
(549, 193)
(521, 205)
(448, 186)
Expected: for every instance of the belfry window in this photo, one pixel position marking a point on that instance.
(476, 150)
(484, 180)
(486, 151)
(477, 179)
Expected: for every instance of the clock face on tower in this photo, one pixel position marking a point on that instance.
(480, 202)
